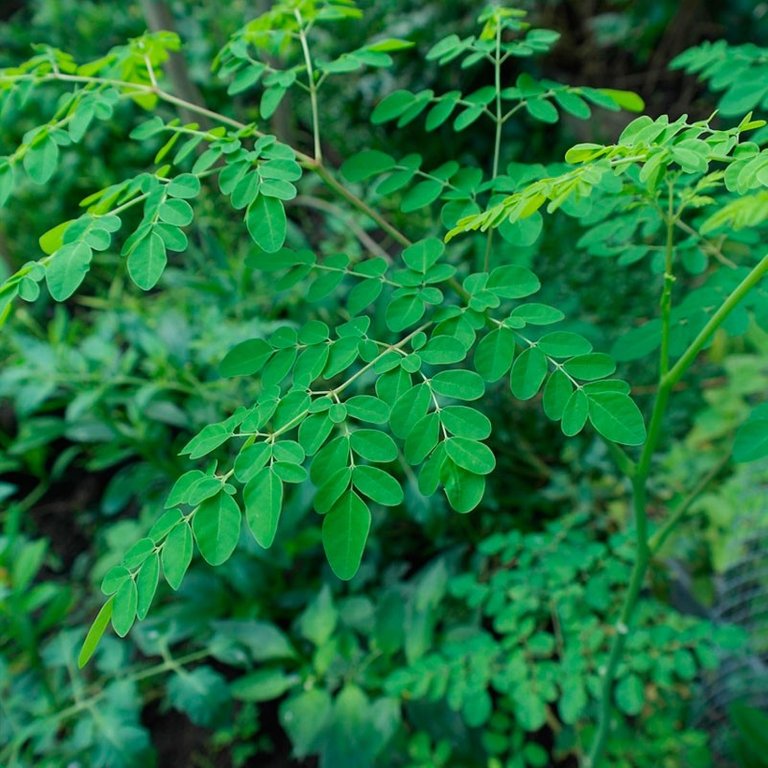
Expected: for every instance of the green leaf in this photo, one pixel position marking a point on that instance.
(563, 344)
(124, 608)
(389, 44)
(314, 431)
(177, 555)
(625, 99)
(146, 584)
(208, 439)
(468, 116)
(177, 213)
(67, 269)
(630, 695)
(331, 489)
(329, 459)
(462, 421)
(404, 311)
(463, 489)
(443, 350)
(616, 417)
(575, 413)
(246, 358)
(320, 618)
(216, 525)
(263, 499)
(459, 385)
(495, 353)
(537, 314)
(40, 160)
(345, 531)
(263, 685)
(6, 181)
(422, 438)
(556, 393)
(251, 460)
(541, 109)
(246, 78)
(185, 186)
(392, 106)
(373, 445)
(751, 441)
(270, 101)
(363, 295)
(589, 367)
(424, 193)
(53, 239)
(471, 455)
(180, 492)
(583, 153)
(377, 485)
(369, 162)
(408, 409)
(528, 373)
(289, 472)
(266, 222)
(114, 578)
(368, 408)
(202, 694)
(423, 254)
(512, 282)
(343, 353)
(573, 701)
(442, 110)
(573, 104)
(305, 718)
(95, 633)
(147, 260)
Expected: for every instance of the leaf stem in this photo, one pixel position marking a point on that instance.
(656, 541)
(499, 120)
(355, 201)
(312, 89)
(669, 279)
(735, 297)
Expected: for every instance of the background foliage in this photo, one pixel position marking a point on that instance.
(488, 628)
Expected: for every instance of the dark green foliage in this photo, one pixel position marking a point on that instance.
(279, 389)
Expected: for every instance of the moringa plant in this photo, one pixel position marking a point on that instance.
(430, 312)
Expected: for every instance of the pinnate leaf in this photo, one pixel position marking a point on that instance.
(263, 499)
(216, 525)
(345, 531)
(616, 417)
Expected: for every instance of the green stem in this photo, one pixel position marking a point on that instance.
(623, 462)
(499, 120)
(355, 201)
(656, 542)
(646, 548)
(312, 89)
(742, 289)
(617, 647)
(669, 279)
(499, 116)
(639, 503)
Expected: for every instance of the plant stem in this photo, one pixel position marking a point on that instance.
(646, 548)
(365, 239)
(355, 201)
(497, 139)
(499, 117)
(669, 279)
(656, 541)
(312, 89)
(735, 297)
